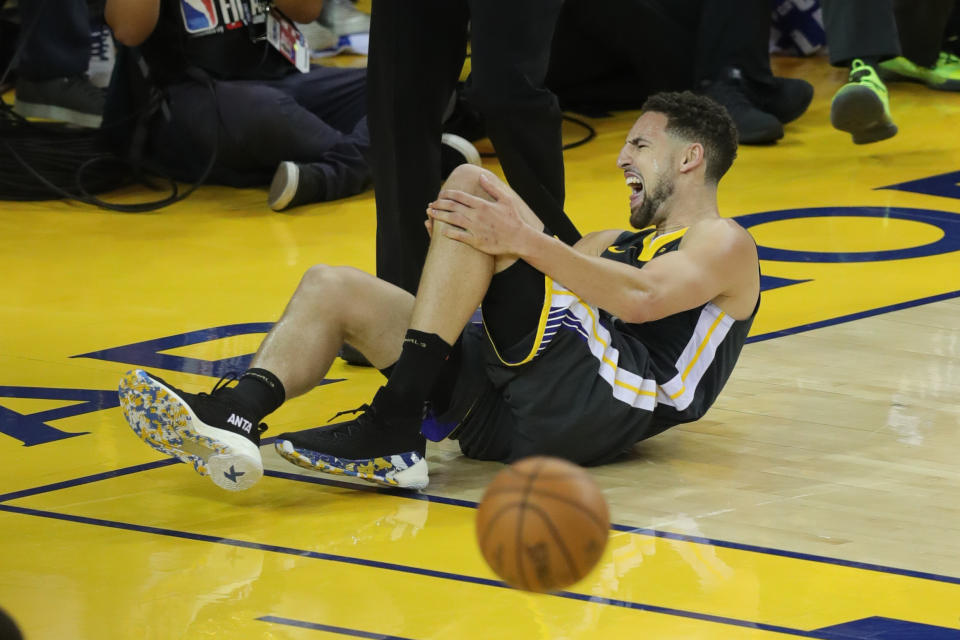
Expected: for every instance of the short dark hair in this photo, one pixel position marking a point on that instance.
(699, 119)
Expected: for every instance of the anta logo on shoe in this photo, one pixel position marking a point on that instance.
(240, 422)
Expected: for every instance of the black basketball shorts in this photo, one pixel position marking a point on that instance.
(548, 374)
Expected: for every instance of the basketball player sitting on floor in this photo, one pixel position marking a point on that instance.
(583, 351)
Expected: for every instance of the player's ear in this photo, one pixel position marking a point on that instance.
(692, 157)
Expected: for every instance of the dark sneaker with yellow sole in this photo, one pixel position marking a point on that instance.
(371, 447)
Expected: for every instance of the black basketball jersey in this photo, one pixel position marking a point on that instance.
(692, 353)
(225, 38)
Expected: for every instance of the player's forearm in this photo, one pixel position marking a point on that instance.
(300, 10)
(613, 286)
(132, 21)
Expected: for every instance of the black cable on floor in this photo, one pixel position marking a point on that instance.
(590, 134)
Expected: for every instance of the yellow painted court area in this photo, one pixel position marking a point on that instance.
(817, 499)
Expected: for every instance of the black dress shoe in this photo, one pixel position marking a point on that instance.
(754, 126)
(785, 98)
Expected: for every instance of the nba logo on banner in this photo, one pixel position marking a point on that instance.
(199, 15)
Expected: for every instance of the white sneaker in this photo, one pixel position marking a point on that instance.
(343, 18)
(318, 36)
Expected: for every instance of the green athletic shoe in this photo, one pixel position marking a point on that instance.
(861, 107)
(943, 76)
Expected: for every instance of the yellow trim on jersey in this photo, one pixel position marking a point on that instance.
(652, 243)
(594, 321)
(696, 356)
(541, 327)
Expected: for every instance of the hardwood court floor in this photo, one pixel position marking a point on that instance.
(818, 499)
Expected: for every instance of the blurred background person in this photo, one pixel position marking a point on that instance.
(192, 90)
(874, 39)
(54, 55)
(612, 54)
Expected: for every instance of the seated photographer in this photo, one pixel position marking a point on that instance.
(201, 92)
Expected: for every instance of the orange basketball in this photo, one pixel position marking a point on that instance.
(542, 524)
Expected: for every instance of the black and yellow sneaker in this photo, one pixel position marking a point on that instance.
(372, 447)
(862, 107)
(218, 439)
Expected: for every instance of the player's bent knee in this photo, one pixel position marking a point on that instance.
(326, 280)
(462, 176)
(466, 177)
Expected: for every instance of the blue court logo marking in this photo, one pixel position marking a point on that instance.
(948, 223)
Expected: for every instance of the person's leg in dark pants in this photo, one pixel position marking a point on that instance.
(338, 98)
(523, 118)
(57, 39)
(417, 49)
(922, 26)
(864, 29)
(253, 127)
(860, 34)
(626, 65)
(951, 36)
(52, 80)
(733, 67)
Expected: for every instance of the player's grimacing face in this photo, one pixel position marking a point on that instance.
(646, 160)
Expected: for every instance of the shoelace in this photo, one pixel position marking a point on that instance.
(366, 415)
(230, 376)
(364, 408)
(99, 47)
(863, 73)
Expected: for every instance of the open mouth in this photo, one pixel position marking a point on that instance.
(635, 183)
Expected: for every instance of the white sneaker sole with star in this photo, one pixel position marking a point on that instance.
(166, 422)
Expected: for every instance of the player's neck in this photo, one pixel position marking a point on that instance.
(689, 206)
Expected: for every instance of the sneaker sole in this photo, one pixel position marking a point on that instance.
(283, 186)
(859, 112)
(59, 114)
(400, 471)
(165, 422)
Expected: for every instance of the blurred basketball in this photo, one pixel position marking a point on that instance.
(542, 524)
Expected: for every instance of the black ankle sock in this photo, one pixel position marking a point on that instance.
(259, 391)
(873, 61)
(386, 371)
(412, 376)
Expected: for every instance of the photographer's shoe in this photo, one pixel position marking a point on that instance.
(71, 99)
(371, 447)
(294, 185)
(200, 429)
(343, 18)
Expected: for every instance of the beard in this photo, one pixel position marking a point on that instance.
(644, 215)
